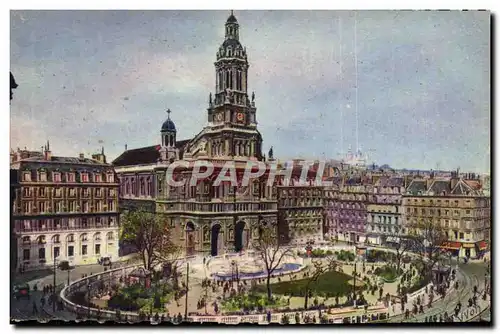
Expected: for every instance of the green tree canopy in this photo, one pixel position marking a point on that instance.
(150, 234)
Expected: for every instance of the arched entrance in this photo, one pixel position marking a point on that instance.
(240, 236)
(190, 239)
(214, 242)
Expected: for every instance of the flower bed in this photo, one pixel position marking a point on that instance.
(387, 273)
(251, 302)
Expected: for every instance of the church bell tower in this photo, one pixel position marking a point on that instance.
(231, 104)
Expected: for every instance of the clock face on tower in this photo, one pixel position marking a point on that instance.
(240, 117)
(218, 117)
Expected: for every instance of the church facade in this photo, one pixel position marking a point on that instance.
(206, 218)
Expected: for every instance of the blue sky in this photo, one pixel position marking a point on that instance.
(88, 79)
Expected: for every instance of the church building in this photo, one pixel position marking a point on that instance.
(206, 218)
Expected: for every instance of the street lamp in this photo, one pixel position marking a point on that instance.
(54, 293)
(354, 285)
(88, 298)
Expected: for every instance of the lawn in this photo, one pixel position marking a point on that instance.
(329, 284)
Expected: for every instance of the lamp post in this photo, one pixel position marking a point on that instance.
(54, 293)
(354, 285)
(88, 298)
(187, 289)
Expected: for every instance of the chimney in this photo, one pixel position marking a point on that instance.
(47, 152)
(82, 156)
(454, 179)
(100, 156)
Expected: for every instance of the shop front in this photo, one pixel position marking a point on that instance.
(453, 247)
(468, 250)
(482, 248)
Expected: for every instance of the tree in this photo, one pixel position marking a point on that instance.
(319, 269)
(151, 237)
(427, 239)
(269, 250)
(401, 247)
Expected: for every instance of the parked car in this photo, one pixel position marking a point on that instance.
(22, 291)
(66, 265)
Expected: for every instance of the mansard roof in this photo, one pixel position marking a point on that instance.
(463, 188)
(144, 155)
(417, 186)
(440, 187)
(386, 181)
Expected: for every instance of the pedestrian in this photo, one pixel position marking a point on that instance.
(42, 301)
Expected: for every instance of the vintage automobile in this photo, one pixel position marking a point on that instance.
(22, 291)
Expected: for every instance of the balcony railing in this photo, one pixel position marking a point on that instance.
(221, 207)
(67, 228)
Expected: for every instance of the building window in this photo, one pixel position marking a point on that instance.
(26, 207)
(84, 249)
(110, 178)
(26, 254)
(71, 250)
(43, 177)
(41, 253)
(84, 177)
(98, 177)
(56, 252)
(70, 177)
(56, 177)
(27, 176)
(84, 224)
(98, 192)
(467, 211)
(461, 235)
(97, 249)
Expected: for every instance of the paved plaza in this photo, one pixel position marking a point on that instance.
(468, 276)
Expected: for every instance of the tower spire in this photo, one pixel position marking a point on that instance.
(168, 113)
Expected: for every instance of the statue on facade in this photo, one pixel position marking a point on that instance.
(270, 154)
(210, 99)
(229, 95)
(253, 96)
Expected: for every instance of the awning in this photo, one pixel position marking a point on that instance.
(468, 245)
(451, 245)
(393, 239)
(482, 245)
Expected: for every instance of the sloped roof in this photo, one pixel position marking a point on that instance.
(462, 188)
(440, 187)
(144, 155)
(68, 160)
(417, 186)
